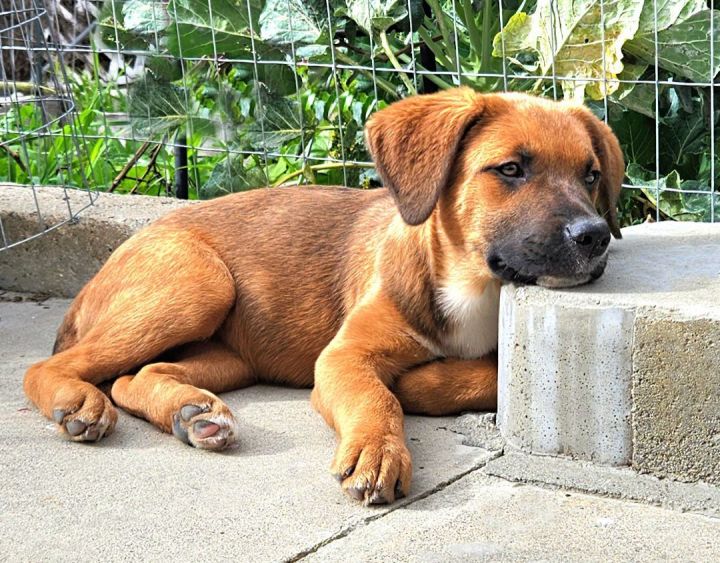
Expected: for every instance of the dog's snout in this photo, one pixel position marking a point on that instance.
(591, 235)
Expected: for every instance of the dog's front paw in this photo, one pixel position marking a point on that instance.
(374, 469)
(208, 425)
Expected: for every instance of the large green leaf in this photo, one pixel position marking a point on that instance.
(277, 121)
(234, 174)
(156, 107)
(684, 135)
(203, 29)
(144, 16)
(665, 13)
(283, 22)
(277, 78)
(115, 32)
(636, 133)
(376, 15)
(683, 48)
(637, 97)
(566, 36)
(664, 192)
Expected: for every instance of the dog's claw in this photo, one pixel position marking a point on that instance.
(349, 471)
(345, 474)
(373, 470)
(377, 498)
(178, 431)
(358, 493)
(398, 490)
(189, 411)
(76, 427)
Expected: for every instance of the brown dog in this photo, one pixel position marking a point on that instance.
(386, 300)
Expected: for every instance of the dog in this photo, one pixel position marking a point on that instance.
(384, 301)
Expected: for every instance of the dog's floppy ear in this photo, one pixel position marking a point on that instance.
(414, 143)
(612, 165)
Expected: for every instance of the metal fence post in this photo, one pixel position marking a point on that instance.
(427, 58)
(181, 167)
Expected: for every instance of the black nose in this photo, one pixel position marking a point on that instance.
(592, 235)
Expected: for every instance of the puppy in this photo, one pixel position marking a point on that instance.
(382, 300)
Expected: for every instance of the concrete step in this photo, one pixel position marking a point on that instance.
(625, 371)
(61, 261)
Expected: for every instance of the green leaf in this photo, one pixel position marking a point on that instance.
(234, 174)
(636, 134)
(277, 121)
(675, 204)
(283, 22)
(278, 79)
(156, 107)
(565, 36)
(374, 16)
(164, 69)
(197, 31)
(666, 13)
(683, 48)
(683, 135)
(637, 97)
(114, 31)
(643, 178)
(311, 51)
(144, 16)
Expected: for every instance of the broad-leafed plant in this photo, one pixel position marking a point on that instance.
(273, 91)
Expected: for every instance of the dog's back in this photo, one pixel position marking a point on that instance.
(288, 250)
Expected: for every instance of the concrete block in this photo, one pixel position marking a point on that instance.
(676, 394)
(566, 377)
(625, 371)
(60, 262)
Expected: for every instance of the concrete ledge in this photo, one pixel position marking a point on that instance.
(60, 262)
(615, 482)
(625, 371)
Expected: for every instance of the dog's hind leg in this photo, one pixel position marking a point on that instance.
(161, 289)
(450, 386)
(177, 396)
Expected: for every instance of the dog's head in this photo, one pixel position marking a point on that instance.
(527, 187)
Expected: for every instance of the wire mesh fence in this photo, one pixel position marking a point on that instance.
(198, 98)
(38, 128)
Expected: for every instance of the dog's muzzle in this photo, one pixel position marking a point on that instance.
(572, 255)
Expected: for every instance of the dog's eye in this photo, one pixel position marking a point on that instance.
(592, 177)
(511, 170)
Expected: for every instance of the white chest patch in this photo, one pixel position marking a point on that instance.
(473, 319)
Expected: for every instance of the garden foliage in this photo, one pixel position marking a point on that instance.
(250, 84)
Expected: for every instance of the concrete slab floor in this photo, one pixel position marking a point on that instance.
(142, 495)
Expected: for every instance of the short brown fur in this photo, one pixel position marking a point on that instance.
(337, 288)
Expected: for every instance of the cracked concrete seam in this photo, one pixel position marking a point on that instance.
(397, 506)
(477, 430)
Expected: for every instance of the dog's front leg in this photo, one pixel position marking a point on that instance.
(352, 379)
